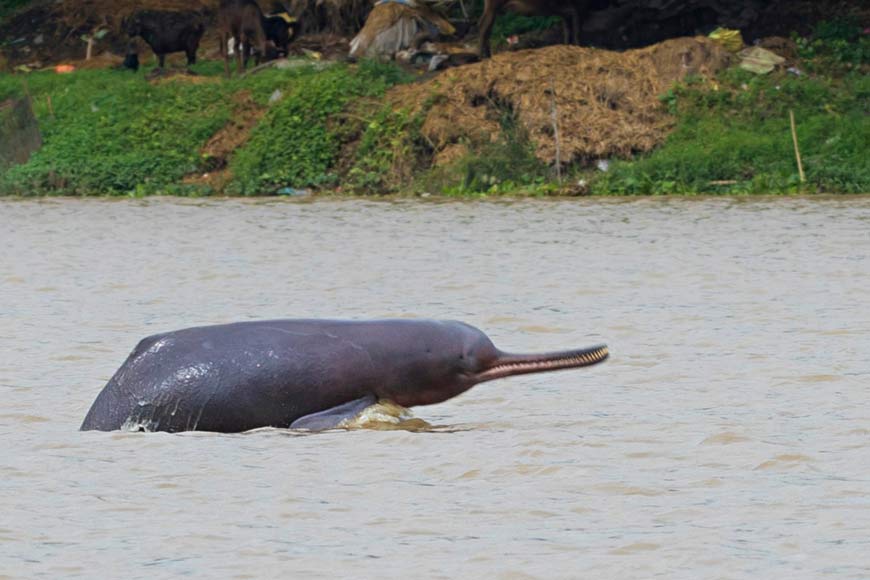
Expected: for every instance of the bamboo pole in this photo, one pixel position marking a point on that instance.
(556, 136)
(797, 151)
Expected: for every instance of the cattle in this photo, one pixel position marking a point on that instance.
(241, 20)
(168, 32)
(280, 30)
(570, 10)
(131, 60)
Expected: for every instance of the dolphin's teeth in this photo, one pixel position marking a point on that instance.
(586, 358)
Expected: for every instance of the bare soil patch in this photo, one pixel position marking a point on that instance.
(219, 149)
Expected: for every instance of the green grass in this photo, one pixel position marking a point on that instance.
(735, 137)
(510, 23)
(298, 142)
(112, 132)
(505, 166)
(836, 45)
(387, 153)
(740, 135)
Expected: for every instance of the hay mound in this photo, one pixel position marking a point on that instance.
(221, 146)
(606, 102)
(218, 151)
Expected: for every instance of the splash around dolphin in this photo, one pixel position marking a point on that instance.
(309, 374)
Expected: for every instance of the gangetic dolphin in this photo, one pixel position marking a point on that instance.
(303, 373)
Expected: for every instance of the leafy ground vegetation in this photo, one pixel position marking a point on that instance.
(736, 138)
(299, 140)
(336, 128)
(109, 132)
(112, 132)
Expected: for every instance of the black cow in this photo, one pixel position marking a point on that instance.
(168, 32)
(280, 33)
(131, 60)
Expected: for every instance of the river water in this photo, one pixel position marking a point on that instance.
(727, 437)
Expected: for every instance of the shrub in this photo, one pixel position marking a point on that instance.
(112, 132)
(505, 166)
(835, 44)
(294, 144)
(738, 139)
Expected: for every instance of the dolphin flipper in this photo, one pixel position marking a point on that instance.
(330, 418)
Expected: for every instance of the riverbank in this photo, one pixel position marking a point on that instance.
(373, 128)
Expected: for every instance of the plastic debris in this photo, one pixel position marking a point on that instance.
(395, 25)
(437, 61)
(759, 60)
(579, 187)
(276, 96)
(98, 35)
(730, 40)
(64, 68)
(293, 192)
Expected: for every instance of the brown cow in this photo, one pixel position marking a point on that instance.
(570, 10)
(241, 20)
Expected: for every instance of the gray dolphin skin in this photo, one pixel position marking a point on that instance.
(303, 373)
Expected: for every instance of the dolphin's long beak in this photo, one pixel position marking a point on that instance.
(507, 364)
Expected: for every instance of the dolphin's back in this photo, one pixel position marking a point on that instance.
(234, 377)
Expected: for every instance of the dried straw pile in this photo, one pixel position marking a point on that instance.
(606, 102)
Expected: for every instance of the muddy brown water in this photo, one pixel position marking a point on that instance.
(727, 437)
